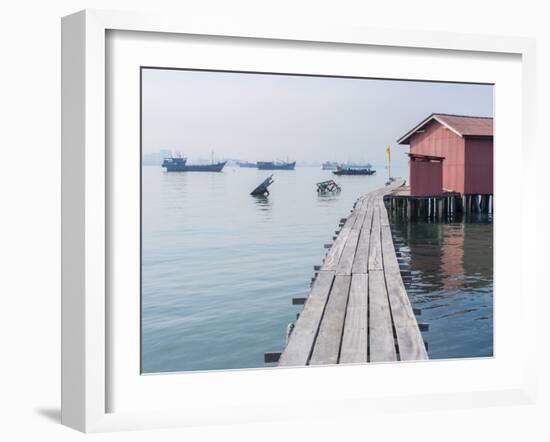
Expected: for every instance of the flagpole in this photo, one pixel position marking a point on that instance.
(389, 168)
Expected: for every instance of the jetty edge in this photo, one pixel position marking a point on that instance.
(357, 310)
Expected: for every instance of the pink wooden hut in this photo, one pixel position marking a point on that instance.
(458, 148)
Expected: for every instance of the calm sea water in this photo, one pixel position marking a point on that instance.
(451, 281)
(220, 267)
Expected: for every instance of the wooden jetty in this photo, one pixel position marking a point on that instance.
(357, 309)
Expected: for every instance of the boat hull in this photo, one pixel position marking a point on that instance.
(217, 167)
(274, 166)
(354, 172)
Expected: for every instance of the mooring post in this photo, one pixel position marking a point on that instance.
(485, 203)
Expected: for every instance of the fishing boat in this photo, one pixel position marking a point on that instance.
(180, 165)
(354, 170)
(275, 165)
(246, 164)
(329, 165)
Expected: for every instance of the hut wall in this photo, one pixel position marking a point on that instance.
(479, 166)
(439, 141)
(426, 177)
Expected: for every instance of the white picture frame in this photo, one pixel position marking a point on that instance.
(86, 207)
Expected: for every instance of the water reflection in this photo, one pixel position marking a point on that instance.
(262, 203)
(448, 273)
(329, 196)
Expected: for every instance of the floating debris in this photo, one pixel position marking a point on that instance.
(328, 187)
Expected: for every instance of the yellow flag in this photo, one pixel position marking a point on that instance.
(388, 151)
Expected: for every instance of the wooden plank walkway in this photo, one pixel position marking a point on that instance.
(358, 310)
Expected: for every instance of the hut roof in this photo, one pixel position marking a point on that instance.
(462, 125)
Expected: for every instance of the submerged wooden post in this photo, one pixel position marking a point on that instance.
(261, 190)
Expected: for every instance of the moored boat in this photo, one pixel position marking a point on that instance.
(355, 170)
(180, 165)
(329, 165)
(275, 165)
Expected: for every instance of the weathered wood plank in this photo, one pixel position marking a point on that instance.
(347, 257)
(361, 261)
(388, 249)
(300, 343)
(333, 256)
(353, 222)
(345, 263)
(381, 341)
(410, 344)
(355, 337)
(384, 221)
(409, 340)
(375, 251)
(327, 345)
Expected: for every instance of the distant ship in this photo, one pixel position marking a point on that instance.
(180, 165)
(275, 165)
(354, 170)
(329, 165)
(246, 164)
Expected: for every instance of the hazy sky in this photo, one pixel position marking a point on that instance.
(266, 117)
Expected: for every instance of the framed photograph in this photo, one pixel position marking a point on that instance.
(265, 224)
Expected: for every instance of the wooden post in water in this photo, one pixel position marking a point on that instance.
(456, 205)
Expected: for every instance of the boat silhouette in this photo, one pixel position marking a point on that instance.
(275, 165)
(180, 165)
